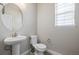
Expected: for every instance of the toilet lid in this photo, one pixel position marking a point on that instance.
(41, 46)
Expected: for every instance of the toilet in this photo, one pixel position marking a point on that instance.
(39, 47)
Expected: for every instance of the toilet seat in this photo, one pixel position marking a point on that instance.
(40, 47)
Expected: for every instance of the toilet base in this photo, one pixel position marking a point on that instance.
(38, 53)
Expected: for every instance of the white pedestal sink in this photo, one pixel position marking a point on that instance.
(15, 42)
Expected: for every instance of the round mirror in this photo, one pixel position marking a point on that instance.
(12, 17)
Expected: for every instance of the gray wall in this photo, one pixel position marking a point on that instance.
(30, 24)
(62, 39)
(29, 28)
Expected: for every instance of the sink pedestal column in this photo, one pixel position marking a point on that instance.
(16, 49)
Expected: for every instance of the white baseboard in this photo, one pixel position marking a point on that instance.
(53, 52)
(26, 52)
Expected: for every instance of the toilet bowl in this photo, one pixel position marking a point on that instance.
(39, 47)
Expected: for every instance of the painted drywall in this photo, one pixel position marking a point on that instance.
(64, 39)
(29, 27)
(29, 24)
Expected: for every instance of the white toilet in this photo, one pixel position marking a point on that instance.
(39, 47)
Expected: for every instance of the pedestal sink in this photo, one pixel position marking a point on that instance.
(12, 19)
(15, 42)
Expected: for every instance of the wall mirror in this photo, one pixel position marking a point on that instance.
(12, 17)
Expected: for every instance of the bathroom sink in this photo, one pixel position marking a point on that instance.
(14, 40)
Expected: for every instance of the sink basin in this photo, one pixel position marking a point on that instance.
(14, 40)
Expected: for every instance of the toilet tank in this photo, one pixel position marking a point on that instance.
(33, 39)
